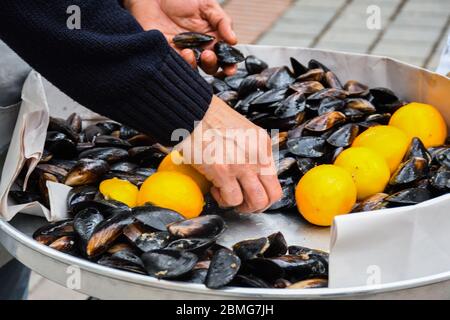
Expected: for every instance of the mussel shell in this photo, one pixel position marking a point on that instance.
(106, 233)
(50, 232)
(307, 87)
(197, 276)
(305, 164)
(92, 131)
(149, 241)
(86, 171)
(277, 245)
(443, 157)
(440, 179)
(269, 97)
(108, 154)
(329, 104)
(381, 118)
(223, 268)
(302, 251)
(313, 64)
(332, 81)
(356, 89)
(77, 197)
(60, 145)
(326, 121)
(192, 39)
(74, 121)
(249, 281)
(65, 244)
(360, 104)
(57, 171)
(61, 125)
(344, 136)
(310, 284)
(374, 202)
(409, 171)
(134, 178)
(251, 248)
(110, 141)
(227, 54)
(127, 133)
(196, 245)
(308, 146)
(146, 172)
(409, 196)
(285, 166)
(155, 217)
(209, 226)
(280, 79)
(251, 84)
(417, 150)
(22, 197)
(230, 97)
(146, 155)
(124, 166)
(384, 99)
(297, 67)
(219, 85)
(168, 264)
(85, 222)
(254, 65)
(311, 75)
(125, 260)
(287, 200)
(66, 165)
(234, 82)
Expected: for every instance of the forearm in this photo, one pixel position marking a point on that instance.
(110, 65)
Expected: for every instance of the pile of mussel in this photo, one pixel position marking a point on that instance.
(161, 243)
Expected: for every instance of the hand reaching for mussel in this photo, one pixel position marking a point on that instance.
(173, 17)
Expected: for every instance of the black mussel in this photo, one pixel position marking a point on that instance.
(374, 202)
(127, 133)
(134, 178)
(61, 125)
(269, 97)
(300, 250)
(291, 106)
(356, 89)
(83, 146)
(168, 264)
(332, 81)
(110, 141)
(279, 140)
(46, 157)
(65, 244)
(196, 245)
(92, 131)
(442, 156)
(251, 248)
(85, 223)
(251, 84)
(409, 197)
(254, 65)
(285, 166)
(325, 121)
(360, 104)
(280, 79)
(223, 268)
(155, 217)
(140, 140)
(287, 200)
(108, 126)
(50, 232)
(57, 171)
(124, 166)
(219, 86)
(21, 197)
(313, 64)
(381, 118)
(199, 272)
(329, 104)
(356, 115)
(198, 54)
(125, 260)
(311, 75)
(106, 233)
(310, 284)
(227, 54)
(308, 147)
(63, 164)
(344, 136)
(146, 172)
(384, 99)
(249, 281)
(243, 105)
(146, 155)
(409, 171)
(417, 150)
(327, 93)
(78, 196)
(281, 283)
(60, 145)
(108, 208)
(74, 121)
(234, 82)
(305, 164)
(297, 67)
(192, 39)
(210, 226)
(108, 154)
(307, 87)
(86, 171)
(119, 246)
(43, 178)
(440, 179)
(148, 241)
(277, 245)
(230, 97)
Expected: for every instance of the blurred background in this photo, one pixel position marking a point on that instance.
(413, 31)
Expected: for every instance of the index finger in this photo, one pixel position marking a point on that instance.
(221, 22)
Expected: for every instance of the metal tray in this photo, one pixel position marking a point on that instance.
(107, 283)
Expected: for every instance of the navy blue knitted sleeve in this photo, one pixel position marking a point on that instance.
(110, 65)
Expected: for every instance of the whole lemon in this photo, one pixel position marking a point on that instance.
(368, 169)
(174, 162)
(389, 142)
(172, 190)
(325, 192)
(119, 190)
(422, 121)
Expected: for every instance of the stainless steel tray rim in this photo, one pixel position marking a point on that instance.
(230, 292)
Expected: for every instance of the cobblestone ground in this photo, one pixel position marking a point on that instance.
(411, 30)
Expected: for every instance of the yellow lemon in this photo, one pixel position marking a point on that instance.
(325, 192)
(422, 121)
(389, 142)
(174, 162)
(368, 169)
(119, 190)
(172, 190)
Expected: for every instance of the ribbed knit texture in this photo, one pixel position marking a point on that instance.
(110, 65)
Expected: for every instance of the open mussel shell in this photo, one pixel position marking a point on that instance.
(223, 268)
(344, 136)
(78, 196)
(106, 233)
(417, 150)
(192, 39)
(254, 65)
(108, 154)
(310, 284)
(227, 54)
(168, 264)
(325, 122)
(50, 232)
(196, 245)
(251, 248)
(409, 196)
(155, 217)
(308, 146)
(409, 171)
(86, 171)
(374, 202)
(209, 226)
(85, 222)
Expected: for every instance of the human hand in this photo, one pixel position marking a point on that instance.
(172, 17)
(236, 156)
